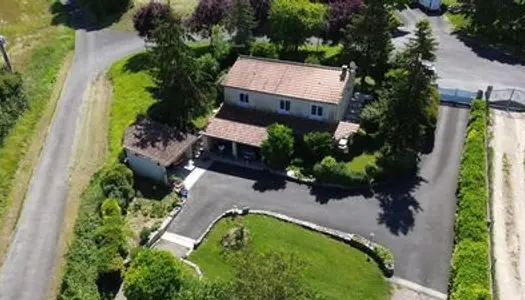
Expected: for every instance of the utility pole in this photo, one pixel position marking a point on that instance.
(3, 44)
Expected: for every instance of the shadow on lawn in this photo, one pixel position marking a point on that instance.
(138, 63)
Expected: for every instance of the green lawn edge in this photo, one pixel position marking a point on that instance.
(39, 81)
(335, 269)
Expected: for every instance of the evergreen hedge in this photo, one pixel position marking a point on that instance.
(470, 261)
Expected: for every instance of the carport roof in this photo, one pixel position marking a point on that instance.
(157, 141)
(248, 126)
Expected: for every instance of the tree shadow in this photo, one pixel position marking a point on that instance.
(487, 51)
(398, 206)
(74, 16)
(269, 183)
(138, 63)
(325, 194)
(149, 189)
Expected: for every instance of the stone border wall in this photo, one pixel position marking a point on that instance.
(354, 240)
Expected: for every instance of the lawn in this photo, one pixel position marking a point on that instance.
(359, 163)
(131, 97)
(334, 269)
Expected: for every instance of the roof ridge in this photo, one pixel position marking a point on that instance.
(289, 62)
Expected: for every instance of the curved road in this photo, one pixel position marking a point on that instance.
(31, 258)
(30, 262)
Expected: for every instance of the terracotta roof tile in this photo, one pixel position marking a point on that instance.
(248, 126)
(345, 129)
(297, 80)
(157, 141)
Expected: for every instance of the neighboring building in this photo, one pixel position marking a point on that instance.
(259, 92)
(151, 148)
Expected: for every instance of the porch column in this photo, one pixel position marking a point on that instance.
(234, 149)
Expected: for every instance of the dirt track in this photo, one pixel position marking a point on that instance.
(509, 203)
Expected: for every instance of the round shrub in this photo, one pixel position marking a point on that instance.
(264, 49)
(117, 182)
(236, 238)
(111, 208)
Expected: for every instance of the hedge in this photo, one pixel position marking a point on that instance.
(81, 270)
(331, 171)
(470, 261)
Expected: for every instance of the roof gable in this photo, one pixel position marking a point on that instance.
(296, 80)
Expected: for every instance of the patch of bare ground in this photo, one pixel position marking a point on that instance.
(90, 151)
(25, 169)
(508, 204)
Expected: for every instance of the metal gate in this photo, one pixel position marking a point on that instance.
(456, 96)
(508, 99)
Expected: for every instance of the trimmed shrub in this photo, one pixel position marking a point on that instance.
(117, 182)
(264, 49)
(470, 260)
(370, 118)
(111, 208)
(318, 145)
(277, 149)
(81, 270)
(331, 171)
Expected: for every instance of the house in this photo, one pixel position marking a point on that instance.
(259, 92)
(151, 148)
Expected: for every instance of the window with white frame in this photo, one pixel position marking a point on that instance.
(317, 111)
(244, 98)
(284, 106)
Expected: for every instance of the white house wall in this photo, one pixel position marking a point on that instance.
(270, 103)
(347, 95)
(145, 167)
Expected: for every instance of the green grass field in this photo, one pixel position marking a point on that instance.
(334, 269)
(37, 51)
(359, 163)
(131, 97)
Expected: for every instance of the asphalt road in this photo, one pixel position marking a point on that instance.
(30, 262)
(463, 64)
(415, 220)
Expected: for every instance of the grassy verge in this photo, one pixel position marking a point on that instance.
(470, 261)
(43, 82)
(332, 268)
(131, 96)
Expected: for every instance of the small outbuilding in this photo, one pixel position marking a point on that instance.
(151, 148)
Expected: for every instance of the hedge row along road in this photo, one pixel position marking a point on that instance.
(31, 257)
(470, 278)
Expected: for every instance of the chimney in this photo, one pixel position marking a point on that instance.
(344, 70)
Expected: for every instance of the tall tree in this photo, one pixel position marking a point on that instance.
(340, 13)
(405, 118)
(13, 101)
(153, 274)
(261, 9)
(207, 14)
(368, 39)
(183, 86)
(149, 15)
(241, 23)
(293, 21)
(423, 44)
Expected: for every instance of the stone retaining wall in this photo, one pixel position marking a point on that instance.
(356, 241)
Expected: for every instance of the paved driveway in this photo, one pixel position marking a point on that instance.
(31, 258)
(463, 64)
(415, 220)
